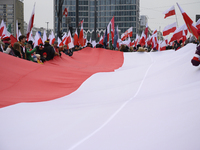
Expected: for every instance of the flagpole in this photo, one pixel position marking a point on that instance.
(177, 21)
(191, 31)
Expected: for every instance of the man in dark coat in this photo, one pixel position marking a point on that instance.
(49, 50)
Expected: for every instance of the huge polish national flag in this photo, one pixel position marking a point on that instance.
(100, 99)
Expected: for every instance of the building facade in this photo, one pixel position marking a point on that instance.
(10, 11)
(126, 13)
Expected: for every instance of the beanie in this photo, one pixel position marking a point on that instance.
(44, 53)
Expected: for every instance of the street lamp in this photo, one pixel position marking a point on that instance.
(47, 29)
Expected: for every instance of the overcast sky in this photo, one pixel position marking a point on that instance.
(153, 9)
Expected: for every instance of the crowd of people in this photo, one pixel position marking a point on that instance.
(45, 52)
(39, 54)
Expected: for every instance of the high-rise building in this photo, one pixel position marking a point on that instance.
(126, 14)
(10, 11)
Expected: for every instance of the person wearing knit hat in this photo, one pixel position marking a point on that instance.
(7, 42)
(196, 59)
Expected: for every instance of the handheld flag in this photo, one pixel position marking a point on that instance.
(169, 12)
(188, 21)
(30, 25)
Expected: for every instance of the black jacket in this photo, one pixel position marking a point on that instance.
(50, 51)
(68, 52)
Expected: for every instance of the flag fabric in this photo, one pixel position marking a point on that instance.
(63, 40)
(59, 41)
(129, 42)
(188, 21)
(9, 28)
(13, 39)
(169, 29)
(148, 41)
(30, 38)
(65, 12)
(163, 45)
(112, 26)
(90, 41)
(3, 29)
(101, 40)
(81, 35)
(154, 39)
(44, 38)
(128, 33)
(94, 43)
(81, 22)
(184, 38)
(169, 12)
(178, 34)
(76, 38)
(38, 39)
(198, 24)
(142, 39)
(75, 102)
(20, 33)
(52, 38)
(116, 37)
(137, 40)
(31, 21)
(132, 43)
(88, 60)
(70, 42)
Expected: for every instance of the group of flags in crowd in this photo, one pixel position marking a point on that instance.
(111, 35)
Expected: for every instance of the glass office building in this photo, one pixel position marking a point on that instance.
(126, 13)
(10, 11)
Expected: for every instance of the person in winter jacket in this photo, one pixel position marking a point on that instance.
(17, 50)
(22, 40)
(196, 59)
(49, 50)
(67, 51)
(177, 45)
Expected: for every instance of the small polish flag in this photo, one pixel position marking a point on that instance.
(169, 29)
(169, 12)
